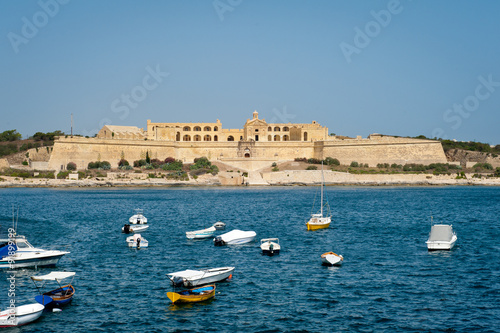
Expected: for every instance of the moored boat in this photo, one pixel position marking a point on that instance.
(220, 225)
(59, 296)
(234, 237)
(318, 220)
(138, 218)
(16, 252)
(270, 246)
(203, 233)
(128, 229)
(194, 295)
(21, 315)
(331, 259)
(441, 237)
(192, 278)
(137, 241)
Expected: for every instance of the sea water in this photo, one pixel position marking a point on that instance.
(388, 282)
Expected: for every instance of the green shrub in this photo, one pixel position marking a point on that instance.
(140, 163)
(497, 172)
(201, 162)
(123, 162)
(126, 167)
(62, 175)
(275, 169)
(331, 161)
(25, 163)
(312, 167)
(354, 164)
(485, 166)
(214, 169)
(10, 135)
(300, 159)
(8, 149)
(173, 165)
(274, 164)
(245, 174)
(314, 161)
(396, 166)
(71, 166)
(104, 165)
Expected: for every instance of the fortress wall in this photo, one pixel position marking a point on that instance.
(84, 150)
(400, 151)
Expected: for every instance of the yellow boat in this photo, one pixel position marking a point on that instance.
(194, 295)
(318, 221)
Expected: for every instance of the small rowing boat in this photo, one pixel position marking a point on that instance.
(59, 296)
(203, 233)
(331, 259)
(194, 295)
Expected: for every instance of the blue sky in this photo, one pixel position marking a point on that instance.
(358, 67)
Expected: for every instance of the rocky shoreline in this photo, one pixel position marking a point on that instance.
(282, 178)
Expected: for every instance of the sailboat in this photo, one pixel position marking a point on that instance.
(318, 221)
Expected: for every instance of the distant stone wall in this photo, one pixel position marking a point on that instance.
(40, 154)
(390, 150)
(384, 150)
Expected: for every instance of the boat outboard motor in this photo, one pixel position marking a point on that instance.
(126, 228)
(138, 242)
(218, 241)
(138, 220)
(271, 248)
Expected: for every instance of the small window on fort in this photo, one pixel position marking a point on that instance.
(277, 129)
(269, 129)
(216, 128)
(197, 138)
(207, 138)
(197, 129)
(286, 138)
(230, 138)
(186, 128)
(256, 130)
(186, 138)
(215, 138)
(207, 129)
(286, 129)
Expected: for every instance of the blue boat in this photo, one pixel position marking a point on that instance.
(59, 296)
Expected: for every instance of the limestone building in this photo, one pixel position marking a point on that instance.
(256, 145)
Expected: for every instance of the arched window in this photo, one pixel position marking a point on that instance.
(241, 138)
(186, 128)
(286, 138)
(207, 129)
(230, 138)
(286, 129)
(178, 136)
(197, 138)
(276, 138)
(215, 138)
(269, 138)
(269, 129)
(186, 138)
(216, 128)
(207, 138)
(277, 129)
(305, 136)
(197, 129)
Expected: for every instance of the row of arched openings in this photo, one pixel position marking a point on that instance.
(198, 128)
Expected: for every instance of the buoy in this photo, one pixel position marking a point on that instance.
(56, 310)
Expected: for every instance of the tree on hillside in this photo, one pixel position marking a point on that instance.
(10, 135)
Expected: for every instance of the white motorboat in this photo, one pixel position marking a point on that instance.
(192, 278)
(16, 252)
(235, 237)
(331, 259)
(137, 241)
(21, 315)
(441, 237)
(220, 225)
(204, 233)
(319, 220)
(138, 218)
(129, 229)
(270, 246)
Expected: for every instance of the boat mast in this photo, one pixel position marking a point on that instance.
(322, 181)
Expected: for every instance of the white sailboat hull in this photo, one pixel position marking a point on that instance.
(24, 314)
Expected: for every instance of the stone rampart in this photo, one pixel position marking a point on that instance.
(395, 150)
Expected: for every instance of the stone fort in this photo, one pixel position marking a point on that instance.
(255, 146)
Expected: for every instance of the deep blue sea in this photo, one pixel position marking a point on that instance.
(389, 282)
